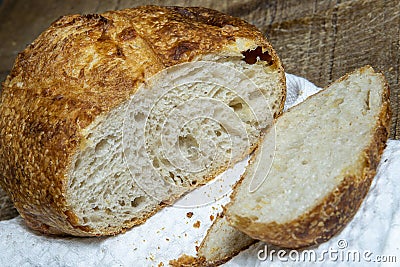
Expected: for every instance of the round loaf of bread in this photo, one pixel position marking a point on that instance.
(83, 118)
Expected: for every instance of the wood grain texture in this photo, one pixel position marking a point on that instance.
(319, 40)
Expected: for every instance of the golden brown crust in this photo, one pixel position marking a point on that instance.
(79, 69)
(336, 209)
(187, 261)
(180, 34)
(190, 261)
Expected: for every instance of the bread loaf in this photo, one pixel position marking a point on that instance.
(105, 119)
(327, 152)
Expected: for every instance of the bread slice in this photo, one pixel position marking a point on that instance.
(105, 119)
(222, 242)
(327, 152)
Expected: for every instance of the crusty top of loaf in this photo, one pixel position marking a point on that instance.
(83, 66)
(106, 56)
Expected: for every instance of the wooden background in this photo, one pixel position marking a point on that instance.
(319, 40)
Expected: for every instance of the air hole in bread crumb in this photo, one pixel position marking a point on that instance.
(164, 161)
(137, 201)
(252, 56)
(139, 116)
(108, 211)
(156, 163)
(78, 163)
(101, 146)
(337, 102)
(236, 104)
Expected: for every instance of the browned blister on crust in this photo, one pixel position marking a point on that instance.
(78, 69)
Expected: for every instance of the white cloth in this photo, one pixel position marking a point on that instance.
(170, 233)
(298, 89)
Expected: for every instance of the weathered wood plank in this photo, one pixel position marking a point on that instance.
(368, 33)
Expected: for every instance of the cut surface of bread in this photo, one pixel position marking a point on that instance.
(107, 118)
(327, 152)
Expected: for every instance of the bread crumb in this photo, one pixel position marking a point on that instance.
(211, 217)
(186, 260)
(161, 264)
(196, 224)
(189, 214)
(161, 229)
(197, 248)
(151, 257)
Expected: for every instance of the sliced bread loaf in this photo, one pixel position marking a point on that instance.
(327, 152)
(107, 118)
